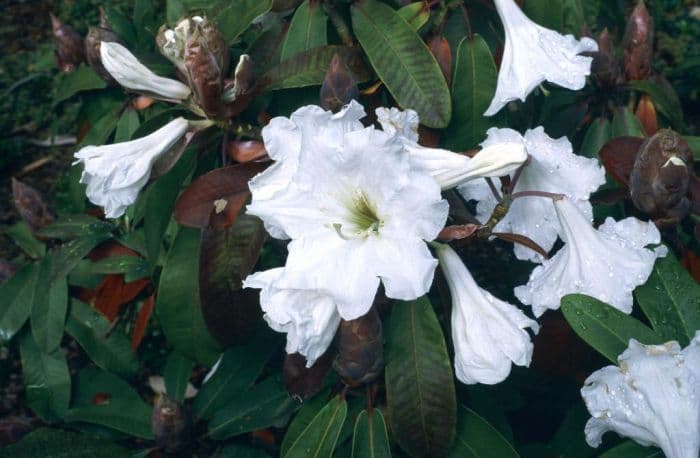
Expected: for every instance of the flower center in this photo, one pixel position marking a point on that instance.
(362, 219)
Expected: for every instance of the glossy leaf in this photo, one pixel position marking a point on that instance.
(233, 17)
(21, 234)
(177, 374)
(476, 438)
(402, 61)
(671, 300)
(603, 327)
(416, 14)
(110, 351)
(128, 416)
(72, 226)
(370, 439)
(48, 315)
(420, 391)
(52, 442)
(177, 302)
(264, 405)
(625, 123)
(307, 30)
(96, 386)
(473, 86)
(320, 436)
(82, 79)
(18, 298)
(308, 411)
(127, 125)
(597, 135)
(46, 379)
(133, 267)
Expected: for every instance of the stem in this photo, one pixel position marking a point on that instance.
(494, 190)
(339, 23)
(516, 175)
(550, 195)
(467, 21)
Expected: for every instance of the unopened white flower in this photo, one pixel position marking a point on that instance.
(447, 168)
(309, 317)
(533, 54)
(653, 397)
(132, 74)
(115, 173)
(553, 168)
(172, 44)
(356, 208)
(607, 263)
(489, 334)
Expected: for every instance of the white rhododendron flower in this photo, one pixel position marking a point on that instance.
(357, 209)
(173, 46)
(534, 54)
(553, 168)
(132, 74)
(489, 334)
(447, 168)
(653, 397)
(607, 263)
(309, 317)
(115, 174)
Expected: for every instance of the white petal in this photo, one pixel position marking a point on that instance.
(397, 122)
(309, 317)
(653, 397)
(605, 264)
(115, 173)
(132, 74)
(534, 54)
(405, 267)
(489, 334)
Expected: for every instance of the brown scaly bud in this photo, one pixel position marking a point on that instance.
(69, 46)
(31, 205)
(661, 174)
(339, 86)
(360, 357)
(104, 23)
(646, 113)
(204, 74)
(95, 36)
(638, 44)
(605, 68)
(170, 423)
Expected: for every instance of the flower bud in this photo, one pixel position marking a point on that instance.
(661, 174)
(339, 86)
(170, 423)
(95, 36)
(604, 68)
(204, 60)
(638, 44)
(360, 357)
(69, 45)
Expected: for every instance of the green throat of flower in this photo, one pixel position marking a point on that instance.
(362, 219)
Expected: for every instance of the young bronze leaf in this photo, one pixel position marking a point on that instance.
(142, 322)
(646, 113)
(30, 205)
(440, 48)
(302, 382)
(618, 157)
(215, 199)
(246, 150)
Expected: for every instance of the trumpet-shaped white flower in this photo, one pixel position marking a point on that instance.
(115, 174)
(653, 397)
(552, 168)
(132, 74)
(533, 54)
(447, 168)
(173, 41)
(607, 263)
(355, 206)
(489, 334)
(309, 317)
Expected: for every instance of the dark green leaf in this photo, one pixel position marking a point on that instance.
(370, 439)
(631, 449)
(473, 86)
(73, 226)
(603, 327)
(478, 439)
(320, 437)
(174, 10)
(22, 235)
(49, 310)
(59, 443)
(671, 300)
(267, 404)
(95, 386)
(176, 375)
(82, 79)
(237, 371)
(237, 15)
(178, 305)
(18, 298)
(67, 256)
(110, 351)
(133, 267)
(242, 451)
(307, 29)
(665, 100)
(128, 416)
(625, 123)
(402, 61)
(694, 144)
(46, 379)
(121, 25)
(420, 389)
(127, 125)
(302, 419)
(547, 13)
(597, 135)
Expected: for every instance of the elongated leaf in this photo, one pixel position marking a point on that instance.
(236, 16)
(419, 385)
(82, 79)
(176, 374)
(307, 29)
(370, 439)
(72, 226)
(46, 378)
(17, 295)
(21, 234)
(320, 437)
(626, 124)
(473, 86)
(133, 267)
(416, 14)
(603, 327)
(671, 300)
(665, 100)
(597, 135)
(49, 312)
(264, 405)
(127, 125)
(177, 302)
(51, 442)
(308, 68)
(96, 386)
(402, 61)
(631, 449)
(237, 371)
(302, 419)
(128, 416)
(111, 351)
(478, 439)
(547, 13)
